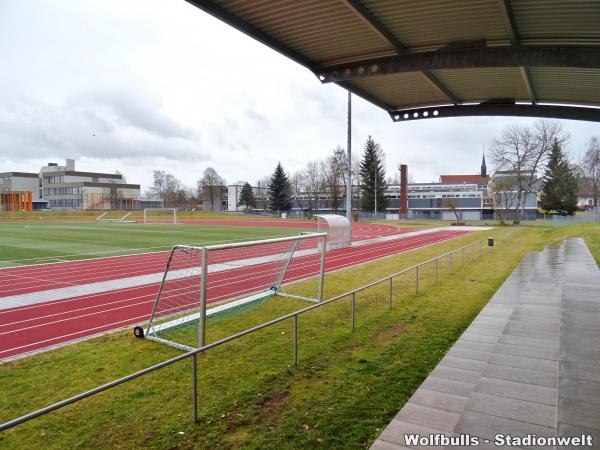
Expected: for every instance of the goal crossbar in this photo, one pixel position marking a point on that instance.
(153, 330)
(170, 210)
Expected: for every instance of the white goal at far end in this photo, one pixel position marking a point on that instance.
(160, 215)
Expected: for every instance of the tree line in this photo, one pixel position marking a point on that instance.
(319, 181)
(533, 159)
(327, 181)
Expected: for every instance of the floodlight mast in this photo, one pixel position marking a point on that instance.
(349, 145)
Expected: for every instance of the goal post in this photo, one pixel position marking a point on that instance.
(160, 215)
(234, 276)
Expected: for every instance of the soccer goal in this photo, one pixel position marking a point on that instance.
(233, 276)
(160, 215)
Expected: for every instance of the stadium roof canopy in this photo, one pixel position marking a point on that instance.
(439, 58)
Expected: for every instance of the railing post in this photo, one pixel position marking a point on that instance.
(353, 308)
(391, 287)
(194, 388)
(417, 278)
(296, 339)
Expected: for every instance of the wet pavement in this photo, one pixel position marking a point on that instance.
(529, 364)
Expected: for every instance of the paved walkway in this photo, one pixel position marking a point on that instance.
(528, 364)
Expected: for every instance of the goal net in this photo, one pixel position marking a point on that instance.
(232, 277)
(160, 215)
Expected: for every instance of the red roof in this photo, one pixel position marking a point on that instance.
(457, 179)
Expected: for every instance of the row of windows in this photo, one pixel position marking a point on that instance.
(66, 203)
(444, 196)
(64, 190)
(55, 179)
(2, 180)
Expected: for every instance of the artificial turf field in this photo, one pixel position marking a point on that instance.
(23, 243)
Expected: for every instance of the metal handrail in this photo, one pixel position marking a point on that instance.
(193, 353)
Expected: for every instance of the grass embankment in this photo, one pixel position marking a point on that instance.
(345, 389)
(28, 243)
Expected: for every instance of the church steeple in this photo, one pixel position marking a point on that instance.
(483, 166)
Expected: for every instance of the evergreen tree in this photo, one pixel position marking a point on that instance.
(280, 190)
(247, 196)
(559, 189)
(372, 175)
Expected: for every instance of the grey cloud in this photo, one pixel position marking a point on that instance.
(95, 125)
(257, 117)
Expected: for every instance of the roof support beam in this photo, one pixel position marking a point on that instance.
(528, 84)
(376, 25)
(441, 87)
(499, 109)
(511, 26)
(369, 18)
(509, 21)
(461, 58)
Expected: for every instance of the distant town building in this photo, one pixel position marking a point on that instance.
(64, 188)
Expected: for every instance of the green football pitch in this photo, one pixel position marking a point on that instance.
(31, 243)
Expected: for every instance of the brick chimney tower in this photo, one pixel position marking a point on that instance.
(403, 191)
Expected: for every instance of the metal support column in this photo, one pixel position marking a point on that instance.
(296, 340)
(353, 309)
(203, 288)
(417, 286)
(195, 388)
(322, 270)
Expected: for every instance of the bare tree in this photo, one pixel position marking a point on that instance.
(166, 187)
(297, 180)
(524, 151)
(312, 184)
(450, 203)
(212, 184)
(503, 196)
(334, 170)
(590, 168)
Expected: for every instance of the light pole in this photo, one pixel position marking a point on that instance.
(349, 150)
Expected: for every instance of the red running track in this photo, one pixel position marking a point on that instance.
(35, 327)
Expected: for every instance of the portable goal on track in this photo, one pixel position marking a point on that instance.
(237, 275)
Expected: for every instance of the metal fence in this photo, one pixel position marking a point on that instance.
(426, 271)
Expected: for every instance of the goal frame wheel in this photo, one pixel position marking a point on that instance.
(138, 332)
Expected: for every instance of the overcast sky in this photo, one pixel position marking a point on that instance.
(139, 85)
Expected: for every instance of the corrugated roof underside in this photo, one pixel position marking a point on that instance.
(484, 84)
(402, 90)
(321, 30)
(558, 21)
(567, 85)
(433, 23)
